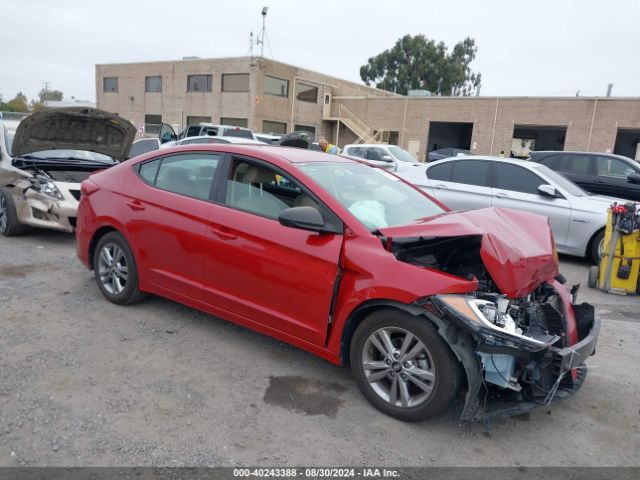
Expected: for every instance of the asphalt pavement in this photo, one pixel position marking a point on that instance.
(84, 382)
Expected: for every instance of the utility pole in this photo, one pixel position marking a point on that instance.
(261, 39)
(609, 88)
(46, 89)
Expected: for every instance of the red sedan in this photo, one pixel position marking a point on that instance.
(350, 263)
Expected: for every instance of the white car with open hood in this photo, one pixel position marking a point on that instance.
(52, 152)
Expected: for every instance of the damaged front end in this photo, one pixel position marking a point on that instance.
(519, 336)
(520, 353)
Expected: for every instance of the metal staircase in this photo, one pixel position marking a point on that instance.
(366, 134)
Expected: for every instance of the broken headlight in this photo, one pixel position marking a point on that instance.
(45, 187)
(488, 319)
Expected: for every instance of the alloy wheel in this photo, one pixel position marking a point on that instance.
(112, 268)
(398, 367)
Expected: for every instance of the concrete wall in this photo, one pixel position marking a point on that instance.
(591, 123)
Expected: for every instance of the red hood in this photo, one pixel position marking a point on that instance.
(517, 247)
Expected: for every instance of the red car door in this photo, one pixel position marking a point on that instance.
(166, 215)
(277, 276)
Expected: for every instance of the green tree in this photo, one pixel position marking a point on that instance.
(50, 95)
(416, 62)
(18, 103)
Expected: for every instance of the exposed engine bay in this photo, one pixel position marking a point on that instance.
(58, 175)
(515, 340)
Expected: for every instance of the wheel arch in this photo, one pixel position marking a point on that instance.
(98, 234)
(587, 251)
(460, 343)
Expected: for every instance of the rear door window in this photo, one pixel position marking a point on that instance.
(440, 172)
(471, 172)
(190, 175)
(516, 179)
(575, 164)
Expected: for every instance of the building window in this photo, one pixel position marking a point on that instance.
(235, 82)
(196, 120)
(305, 128)
(153, 84)
(274, 127)
(306, 93)
(235, 122)
(152, 123)
(276, 86)
(199, 83)
(387, 136)
(110, 84)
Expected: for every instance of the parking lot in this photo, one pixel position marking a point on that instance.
(87, 382)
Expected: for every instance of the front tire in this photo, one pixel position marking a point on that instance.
(9, 224)
(596, 247)
(115, 270)
(403, 366)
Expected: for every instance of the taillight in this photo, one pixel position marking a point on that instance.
(88, 187)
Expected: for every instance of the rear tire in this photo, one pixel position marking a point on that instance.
(595, 247)
(116, 271)
(9, 224)
(403, 366)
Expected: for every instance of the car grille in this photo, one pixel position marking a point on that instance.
(76, 194)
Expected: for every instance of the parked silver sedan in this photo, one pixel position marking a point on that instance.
(577, 218)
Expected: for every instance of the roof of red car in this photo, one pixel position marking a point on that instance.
(290, 154)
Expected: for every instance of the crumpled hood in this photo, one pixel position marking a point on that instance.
(74, 128)
(516, 249)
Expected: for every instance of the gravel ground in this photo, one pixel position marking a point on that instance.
(84, 382)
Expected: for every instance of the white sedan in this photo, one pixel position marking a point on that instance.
(577, 218)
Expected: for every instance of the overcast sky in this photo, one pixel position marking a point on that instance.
(547, 47)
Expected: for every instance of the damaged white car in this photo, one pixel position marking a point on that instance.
(52, 152)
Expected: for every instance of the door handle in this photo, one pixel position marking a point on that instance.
(502, 195)
(222, 234)
(135, 205)
(444, 187)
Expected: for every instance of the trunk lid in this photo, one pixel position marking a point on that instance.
(517, 248)
(74, 128)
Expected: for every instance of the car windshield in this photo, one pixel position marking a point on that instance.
(374, 196)
(570, 187)
(402, 155)
(72, 154)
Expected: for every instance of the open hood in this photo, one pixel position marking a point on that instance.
(74, 128)
(516, 248)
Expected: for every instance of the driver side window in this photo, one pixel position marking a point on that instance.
(613, 167)
(258, 189)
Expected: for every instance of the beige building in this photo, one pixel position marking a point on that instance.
(270, 96)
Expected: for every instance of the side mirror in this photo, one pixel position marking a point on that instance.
(387, 158)
(547, 191)
(634, 177)
(304, 218)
